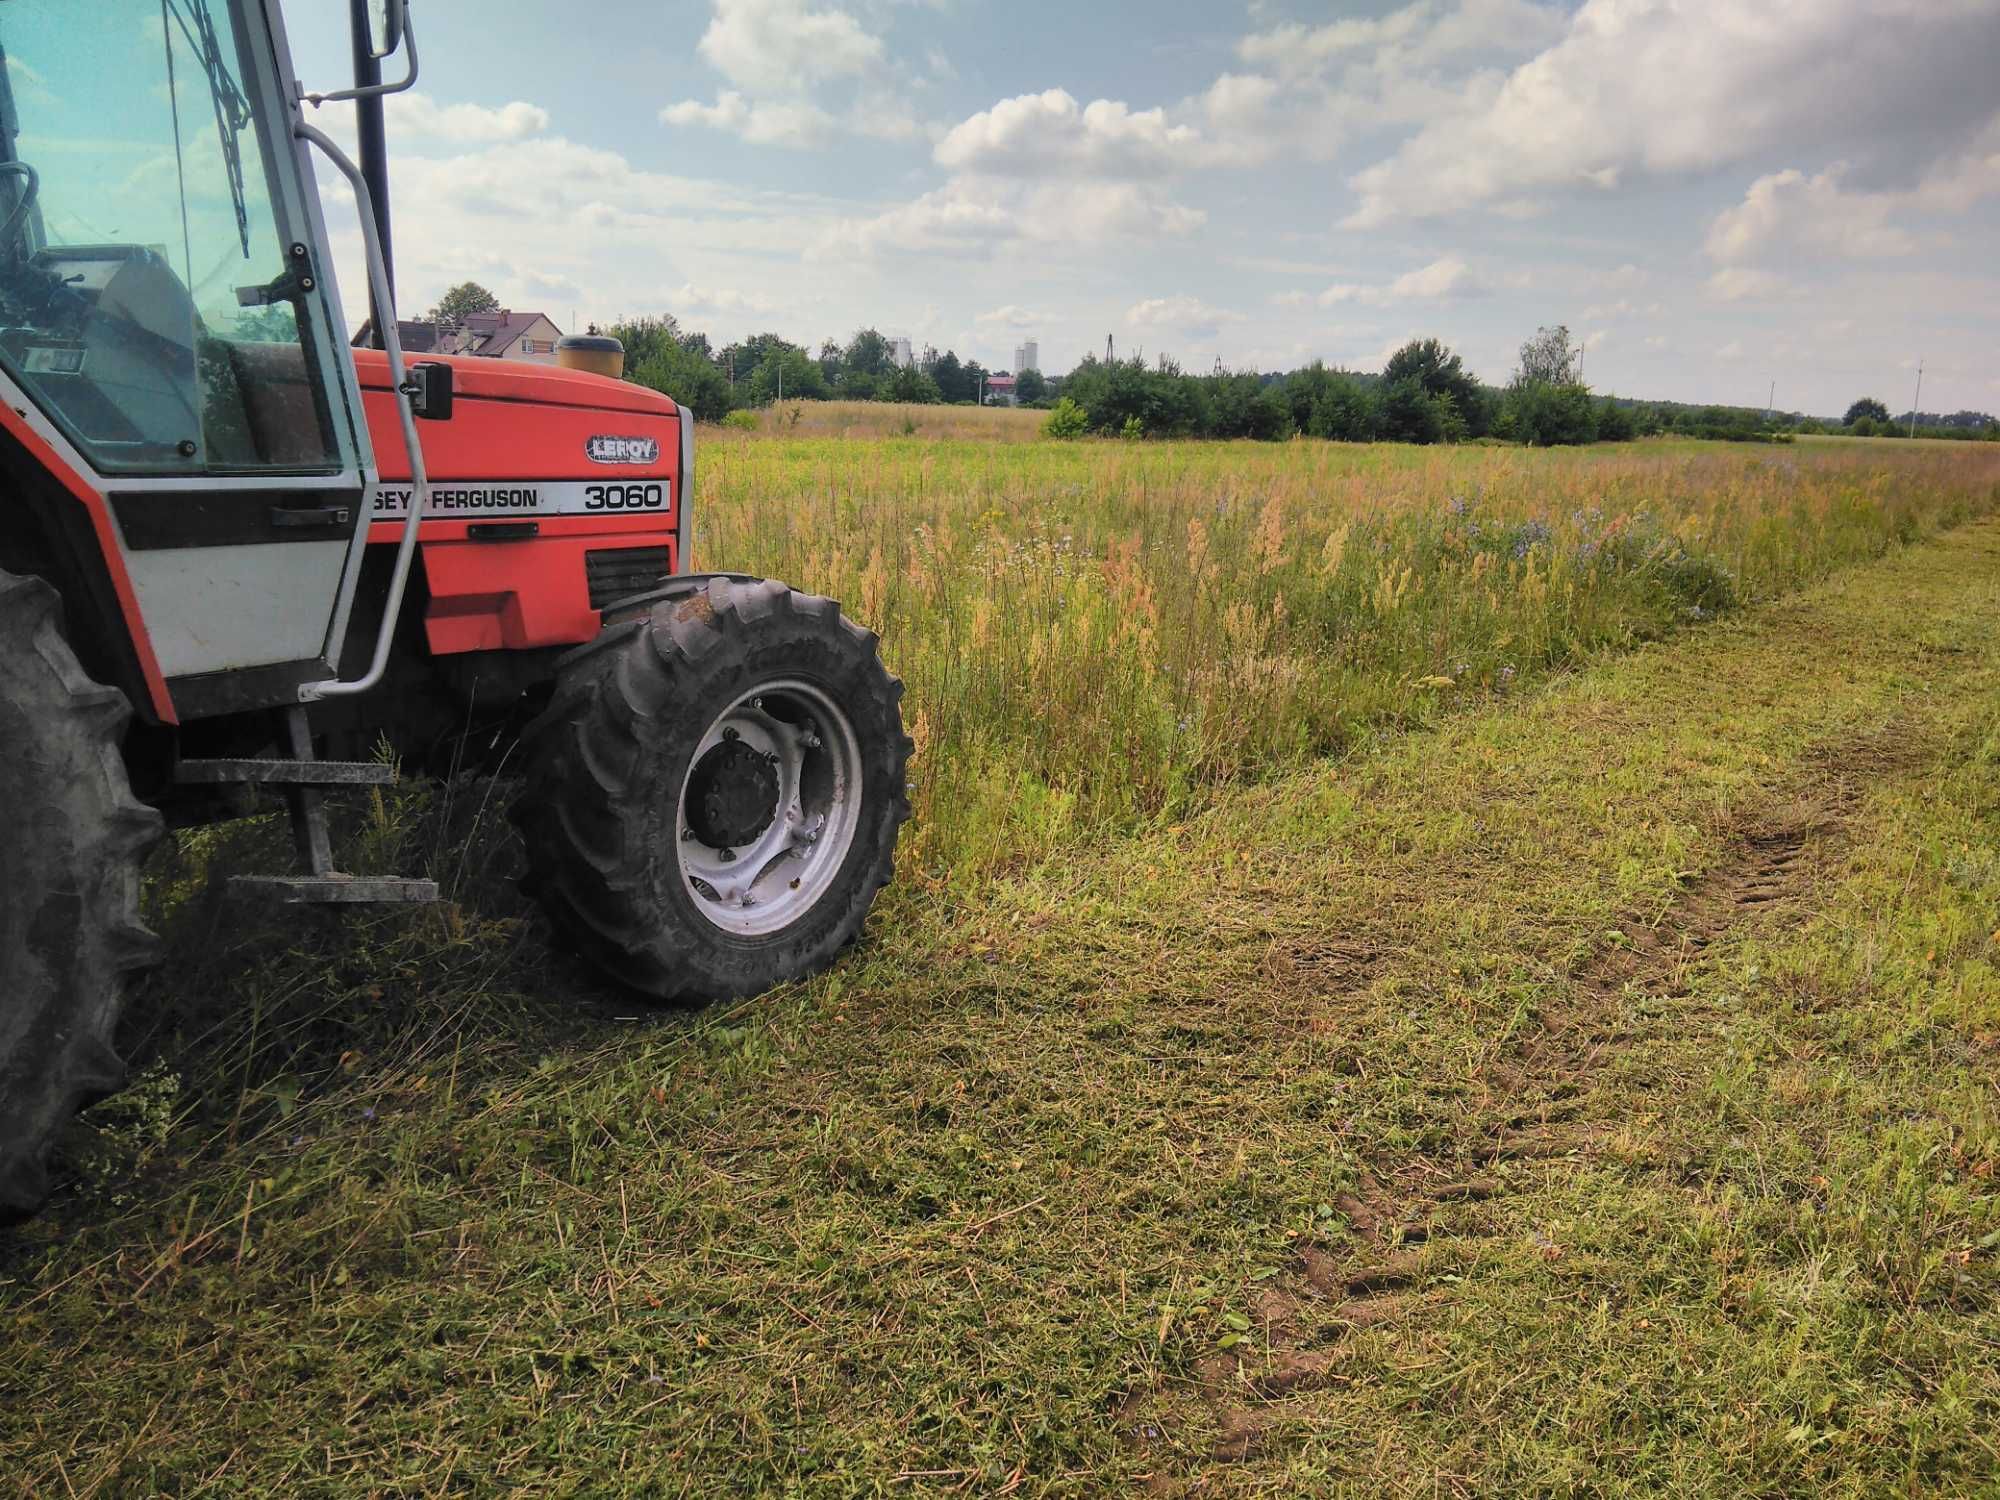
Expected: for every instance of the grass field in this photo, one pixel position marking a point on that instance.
(1419, 972)
(1097, 636)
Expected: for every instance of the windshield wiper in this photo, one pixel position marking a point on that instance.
(232, 110)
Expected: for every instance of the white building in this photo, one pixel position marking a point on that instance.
(899, 353)
(1027, 356)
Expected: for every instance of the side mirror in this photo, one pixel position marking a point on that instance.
(429, 388)
(385, 26)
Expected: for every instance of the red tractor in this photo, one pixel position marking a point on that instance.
(227, 561)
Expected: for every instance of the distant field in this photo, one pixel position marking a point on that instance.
(864, 419)
(1416, 972)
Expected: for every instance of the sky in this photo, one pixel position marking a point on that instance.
(1716, 196)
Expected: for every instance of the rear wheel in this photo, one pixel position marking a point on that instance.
(71, 839)
(715, 790)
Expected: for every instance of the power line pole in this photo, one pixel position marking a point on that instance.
(1917, 400)
(1769, 402)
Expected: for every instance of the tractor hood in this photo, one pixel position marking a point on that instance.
(552, 493)
(509, 380)
(515, 422)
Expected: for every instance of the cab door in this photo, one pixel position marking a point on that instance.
(166, 317)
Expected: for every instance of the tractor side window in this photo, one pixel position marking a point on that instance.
(150, 301)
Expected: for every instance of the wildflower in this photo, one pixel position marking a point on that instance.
(1271, 537)
(367, 1111)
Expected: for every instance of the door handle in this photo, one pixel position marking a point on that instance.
(317, 515)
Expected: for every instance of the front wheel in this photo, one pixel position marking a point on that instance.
(715, 790)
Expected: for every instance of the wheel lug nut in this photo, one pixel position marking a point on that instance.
(726, 854)
(730, 733)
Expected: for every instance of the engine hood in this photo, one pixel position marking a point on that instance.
(510, 380)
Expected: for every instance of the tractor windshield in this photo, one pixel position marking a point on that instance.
(151, 300)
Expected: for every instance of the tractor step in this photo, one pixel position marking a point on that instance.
(335, 890)
(284, 773)
(304, 781)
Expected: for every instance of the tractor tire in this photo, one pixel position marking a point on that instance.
(714, 792)
(71, 840)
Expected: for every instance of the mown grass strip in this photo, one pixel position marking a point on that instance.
(989, 1199)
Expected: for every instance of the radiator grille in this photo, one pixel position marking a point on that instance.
(617, 572)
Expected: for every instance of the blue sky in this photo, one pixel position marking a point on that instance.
(1713, 194)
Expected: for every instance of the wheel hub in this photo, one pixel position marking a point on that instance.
(732, 796)
(769, 807)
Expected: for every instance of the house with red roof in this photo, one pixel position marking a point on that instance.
(528, 338)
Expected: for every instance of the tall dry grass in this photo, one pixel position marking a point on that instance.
(1095, 635)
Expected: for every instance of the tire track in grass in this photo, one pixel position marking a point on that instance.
(1304, 1318)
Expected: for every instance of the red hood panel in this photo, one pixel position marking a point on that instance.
(510, 380)
(516, 422)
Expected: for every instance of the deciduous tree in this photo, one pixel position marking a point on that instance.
(460, 302)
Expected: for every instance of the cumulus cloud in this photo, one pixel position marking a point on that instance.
(725, 300)
(1423, 34)
(1789, 213)
(594, 244)
(1740, 284)
(1791, 208)
(802, 74)
(1189, 315)
(420, 125)
(1308, 88)
(1050, 133)
(971, 215)
(784, 47)
(1620, 278)
(1449, 276)
(1012, 316)
(784, 122)
(1640, 88)
(1623, 308)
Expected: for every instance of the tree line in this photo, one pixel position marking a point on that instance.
(1868, 417)
(1424, 394)
(768, 367)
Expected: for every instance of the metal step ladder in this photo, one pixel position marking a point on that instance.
(304, 781)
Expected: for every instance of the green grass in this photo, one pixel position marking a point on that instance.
(1685, 960)
(1099, 636)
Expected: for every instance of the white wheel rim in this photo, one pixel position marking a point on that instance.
(781, 870)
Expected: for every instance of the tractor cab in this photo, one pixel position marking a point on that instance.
(164, 313)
